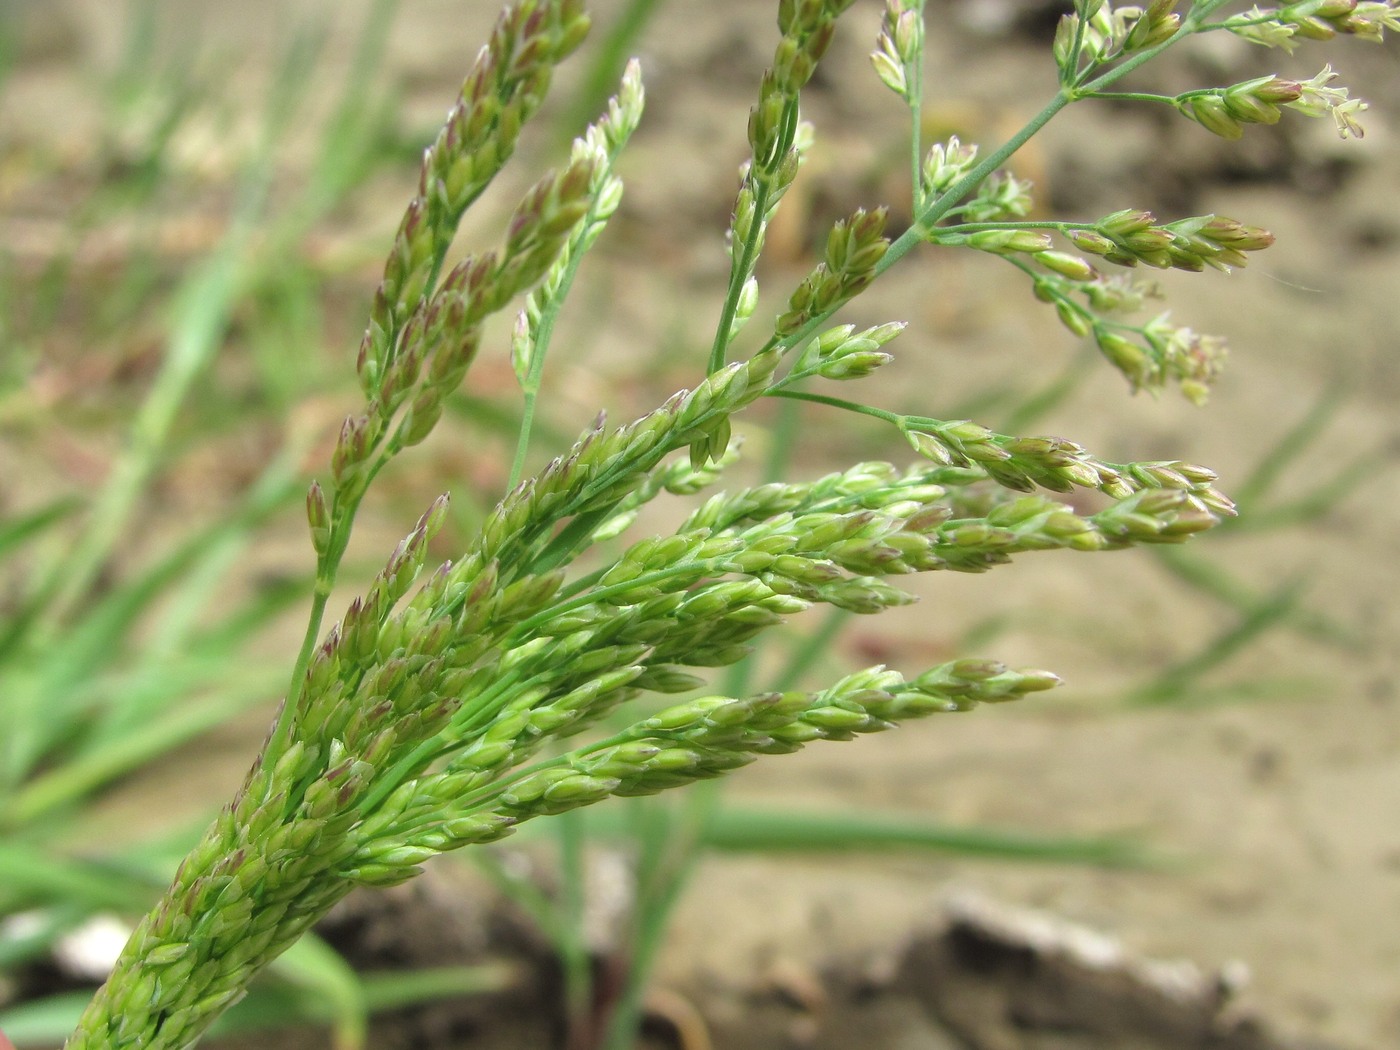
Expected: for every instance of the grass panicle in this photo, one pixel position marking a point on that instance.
(451, 705)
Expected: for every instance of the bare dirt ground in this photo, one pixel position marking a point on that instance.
(1282, 809)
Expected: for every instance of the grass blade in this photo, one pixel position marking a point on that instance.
(25, 527)
(138, 745)
(1174, 684)
(752, 829)
(36, 874)
(273, 1004)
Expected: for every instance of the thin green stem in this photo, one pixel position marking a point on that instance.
(569, 931)
(327, 566)
(914, 75)
(581, 584)
(549, 314)
(783, 441)
(928, 218)
(836, 402)
(813, 648)
(748, 829)
(673, 861)
(1069, 72)
(747, 256)
(535, 375)
(1211, 27)
(530, 396)
(1029, 224)
(739, 275)
(974, 227)
(1138, 96)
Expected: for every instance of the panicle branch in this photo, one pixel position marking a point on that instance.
(777, 140)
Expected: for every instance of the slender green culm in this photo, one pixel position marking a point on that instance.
(430, 717)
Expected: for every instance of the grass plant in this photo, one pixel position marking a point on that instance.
(512, 682)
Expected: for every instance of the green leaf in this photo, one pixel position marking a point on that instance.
(24, 527)
(756, 830)
(44, 1022)
(315, 967)
(272, 1004)
(751, 829)
(118, 754)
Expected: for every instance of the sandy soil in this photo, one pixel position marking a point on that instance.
(1277, 806)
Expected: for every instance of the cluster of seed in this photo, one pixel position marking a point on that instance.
(505, 87)
(711, 735)
(263, 874)
(699, 739)
(482, 666)
(422, 665)
(442, 332)
(260, 878)
(843, 353)
(423, 714)
(1069, 275)
(1160, 351)
(529, 663)
(666, 605)
(854, 247)
(829, 548)
(945, 164)
(424, 332)
(598, 149)
(899, 48)
(557, 676)
(1131, 236)
(1164, 351)
(428, 650)
(1099, 33)
(777, 140)
(549, 517)
(1026, 463)
(1284, 27)
(418, 721)
(1225, 111)
(1000, 197)
(807, 27)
